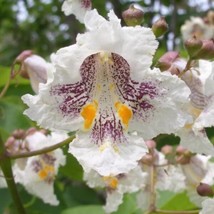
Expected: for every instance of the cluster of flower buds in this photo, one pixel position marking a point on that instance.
(200, 49)
(17, 143)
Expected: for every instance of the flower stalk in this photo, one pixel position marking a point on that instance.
(41, 151)
(5, 164)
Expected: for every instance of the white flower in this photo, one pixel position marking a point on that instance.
(201, 83)
(197, 27)
(37, 173)
(207, 206)
(199, 170)
(76, 7)
(165, 178)
(103, 86)
(116, 186)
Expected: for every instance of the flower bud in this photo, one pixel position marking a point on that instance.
(206, 51)
(151, 144)
(183, 155)
(167, 150)
(18, 133)
(148, 159)
(160, 27)
(35, 67)
(192, 46)
(31, 131)
(133, 16)
(165, 62)
(23, 55)
(205, 190)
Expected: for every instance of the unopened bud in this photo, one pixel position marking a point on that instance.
(192, 46)
(183, 155)
(31, 131)
(151, 144)
(205, 190)
(160, 27)
(148, 159)
(167, 150)
(10, 141)
(35, 67)
(206, 51)
(23, 55)
(133, 16)
(165, 61)
(19, 134)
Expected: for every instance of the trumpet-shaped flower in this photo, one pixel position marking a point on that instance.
(117, 186)
(197, 27)
(103, 86)
(37, 173)
(201, 83)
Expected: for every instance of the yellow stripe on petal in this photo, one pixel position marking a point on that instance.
(124, 112)
(111, 182)
(47, 170)
(88, 112)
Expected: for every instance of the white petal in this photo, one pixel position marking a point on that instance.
(114, 199)
(166, 111)
(108, 159)
(76, 7)
(207, 206)
(196, 142)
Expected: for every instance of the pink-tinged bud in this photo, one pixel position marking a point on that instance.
(19, 134)
(206, 51)
(160, 27)
(148, 159)
(133, 16)
(165, 62)
(205, 190)
(31, 131)
(151, 144)
(36, 68)
(183, 155)
(193, 46)
(167, 150)
(10, 142)
(23, 55)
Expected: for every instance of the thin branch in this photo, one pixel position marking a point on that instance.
(41, 151)
(177, 212)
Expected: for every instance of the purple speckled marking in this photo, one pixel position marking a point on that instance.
(107, 127)
(135, 93)
(72, 97)
(86, 4)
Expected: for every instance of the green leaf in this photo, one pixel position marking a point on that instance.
(179, 202)
(128, 206)
(72, 169)
(93, 209)
(11, 114)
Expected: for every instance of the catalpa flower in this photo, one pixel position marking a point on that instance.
(103, 87)
(37, 173)
(201, 83)
(117, 186)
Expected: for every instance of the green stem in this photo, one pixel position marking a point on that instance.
(188, 66)
(5, 165)
(41, 151)
(177, 212)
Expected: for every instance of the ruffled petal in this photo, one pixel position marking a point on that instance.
(109, 158)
